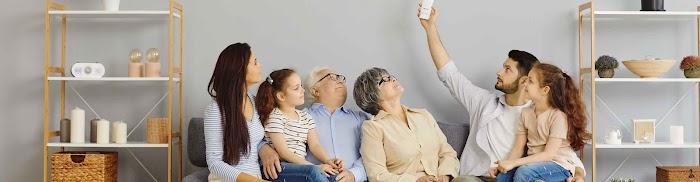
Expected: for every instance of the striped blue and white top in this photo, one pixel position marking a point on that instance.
(213, 137)
(295, 131)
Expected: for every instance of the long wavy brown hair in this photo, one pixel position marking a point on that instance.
(228, 87)
(565, 96)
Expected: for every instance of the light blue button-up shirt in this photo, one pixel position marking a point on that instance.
(340, 134)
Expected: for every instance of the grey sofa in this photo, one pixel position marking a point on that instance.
(196, 151)
(456, 136)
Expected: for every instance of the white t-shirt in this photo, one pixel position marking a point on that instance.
(501, 132)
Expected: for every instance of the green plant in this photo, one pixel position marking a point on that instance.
(621, 180)
(606, 62)
(690, 63)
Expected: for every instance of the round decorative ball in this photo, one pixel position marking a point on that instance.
(135, 56)
(152, 55)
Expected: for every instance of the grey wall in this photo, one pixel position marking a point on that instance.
(349, 36)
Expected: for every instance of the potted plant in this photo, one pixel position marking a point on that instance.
(691, 66)
(606, 66)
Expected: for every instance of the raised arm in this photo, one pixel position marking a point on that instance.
(437, 50)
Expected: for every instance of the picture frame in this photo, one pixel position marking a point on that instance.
(644, 130)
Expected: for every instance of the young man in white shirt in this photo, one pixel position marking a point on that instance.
(493, 117)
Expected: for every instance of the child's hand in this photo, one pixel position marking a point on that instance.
(575, 179)
(336, 163)
(427, 179)
(329, 170)
(493, 172)
(505, 166)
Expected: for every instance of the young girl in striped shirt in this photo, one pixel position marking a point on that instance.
(289, 130)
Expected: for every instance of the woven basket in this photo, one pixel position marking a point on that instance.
(157, 131)
(84, 166)
(677, 173)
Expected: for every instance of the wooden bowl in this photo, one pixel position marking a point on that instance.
(649, 68)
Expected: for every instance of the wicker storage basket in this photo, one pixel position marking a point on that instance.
(157, 131)
(84, 166)
(677, 173)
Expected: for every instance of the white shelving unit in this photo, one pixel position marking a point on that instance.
(113, 14)
(130, 144)
(588, 74)
(55, 11)
(643, 14)
(660, 80)
(656, 145)
(160, 79)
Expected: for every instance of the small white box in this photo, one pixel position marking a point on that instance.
(425, 9)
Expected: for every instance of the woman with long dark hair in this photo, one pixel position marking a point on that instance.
(232, 129)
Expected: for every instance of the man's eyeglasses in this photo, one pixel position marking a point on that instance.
(332, 76)
(386, 79)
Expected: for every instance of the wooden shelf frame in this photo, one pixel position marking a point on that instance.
(587, 11)
(175, 75)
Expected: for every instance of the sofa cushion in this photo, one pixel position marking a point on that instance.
(196, 149)
(456, 134)
(199, 176)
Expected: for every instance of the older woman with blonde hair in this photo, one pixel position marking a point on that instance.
(400, 143)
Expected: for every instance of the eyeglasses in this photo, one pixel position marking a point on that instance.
(387, 79)
(333, 76)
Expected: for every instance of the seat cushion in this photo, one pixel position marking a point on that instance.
(199, 176)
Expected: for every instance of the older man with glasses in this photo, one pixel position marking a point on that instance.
(339, 128)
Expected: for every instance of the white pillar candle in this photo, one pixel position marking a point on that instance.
(676, 135)
(120, 132)
(77, 125)
(111, 5)
(103, 131)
